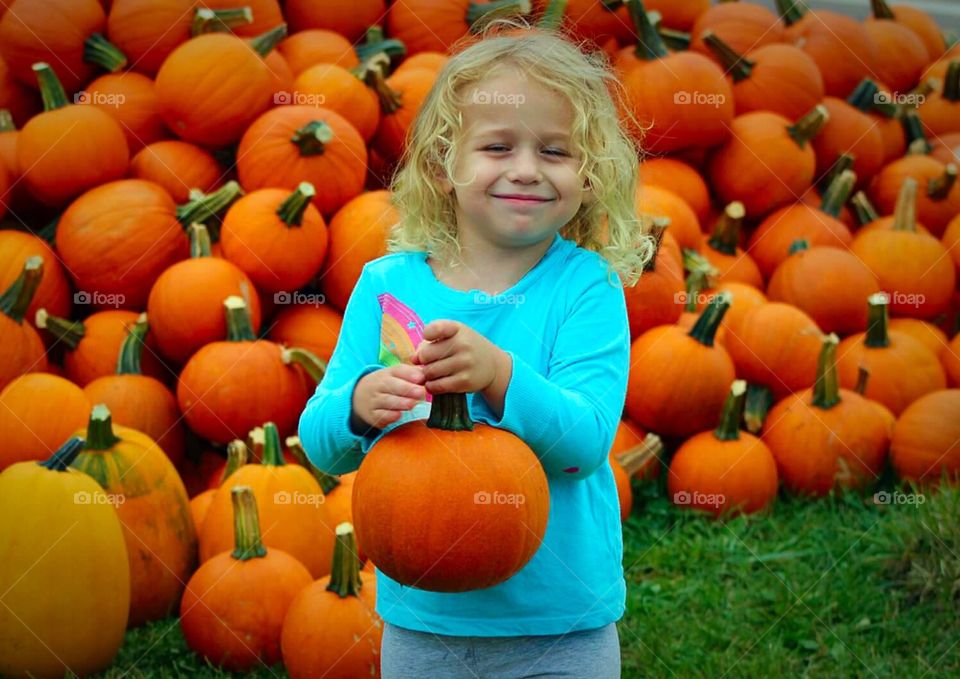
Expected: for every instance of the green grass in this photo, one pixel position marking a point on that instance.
(839, 587)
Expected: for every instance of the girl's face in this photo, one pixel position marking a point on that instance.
(516, 154)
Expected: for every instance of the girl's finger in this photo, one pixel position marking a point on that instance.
(400, 387)
(439, 330)
(442, 368)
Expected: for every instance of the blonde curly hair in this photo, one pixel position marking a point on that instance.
(608, 225)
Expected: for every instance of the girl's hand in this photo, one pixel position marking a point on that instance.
(456, 358)
(381, 397)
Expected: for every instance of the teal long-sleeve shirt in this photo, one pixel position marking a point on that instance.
(564, 325)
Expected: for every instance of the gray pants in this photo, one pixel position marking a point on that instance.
(593, 654)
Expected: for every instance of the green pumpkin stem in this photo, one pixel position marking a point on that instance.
(863, 376)
(726, 232)
(843, 162)
(239, 327)
(791, 11)
(672, 38)
(6, 121)
(374, 75)
(650, 45)
(450, 413)
(131, 350)
(100, 434)
(699, 278)
(914, 135)
(237, 455)
(939, 188)
(51, 90)
(863, 209)
(877, 321)
(809, 125)
(66, 331)
(798, 245)
(730, 416)
(16, 299)
(199, 240)
(733, 63)
(611, 5)
(375, 43)
(552, 16)
(905, 211)
(306, 359)
(203, 206)
(328, 482)
(881, 10)
(246, 525)
(64, 456)
(292, 208)
(312, 138)
(345, 575)
(705, 329)
(272, 454)
(658, 227)
(838, 193)
(864, 95)
(758, 402)
(265, 42)
(100, 51)
(639, 456)
(255, 443)
(951, 82)
(480, 14)
(826, 390)
(207, 20)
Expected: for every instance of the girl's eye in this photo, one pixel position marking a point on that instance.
(556, 152)
(496, 147)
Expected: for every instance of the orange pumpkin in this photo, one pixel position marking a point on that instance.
(940, 109)
(401, 96)
(423, 25)
(926, 333)
(679, 177)
(901, 55)
(723, 249)
(53, 293)
(178, 167)
(315, 327)
(349, 20)
(741, 25)
(827, 437)
(950, 357)
(917, 21)
(938, 195)
(951, 240)
(306, 48)
(21, 101)
(851, 130)
(641, 460)
(924, 445)
(656, 299)
(683, 224)
(130, 99)
(341, 91)
(23, 349)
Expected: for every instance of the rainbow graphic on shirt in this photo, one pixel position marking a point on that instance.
(401, 332)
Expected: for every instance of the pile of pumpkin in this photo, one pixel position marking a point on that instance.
(189, 190)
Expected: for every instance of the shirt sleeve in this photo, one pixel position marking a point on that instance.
(569, 417)
(325, 433)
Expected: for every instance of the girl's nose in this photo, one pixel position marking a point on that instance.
(525, 167)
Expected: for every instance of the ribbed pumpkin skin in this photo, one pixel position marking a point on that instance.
(23, 350)
(406, 536)
(770, 242)
(925, 437)
(53, 293)
(655, 299)
(96, 354)
(155, 513)
(64, 574)
(177, 166)
(314, 328)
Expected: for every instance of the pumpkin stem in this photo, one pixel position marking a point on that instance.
(219, 20)
(203, 206)
(863, 375)
(837, 193)
(758, 402)
(66, 331)
(17, 298)
(255, 443)
(658, 227)
(733, 63)
(650, 45)
(263, 43)
(698, 280)
(100, 51)
(914, 135)
(905, 211)
(50, 88)
(939, 188)
(6, 121)
(864, 95)
(272, 457)
(246, 525)
(951, 82)
(239, 327)
(310, 362)
(237, 455)
(611, 5)
(131, 350)
(376, 43)
(100, 434)
(345, 575)
(479, 15)
(292, 208)
(312, 138)
(450, 413)
(726, 232)
(843, 162)
(881, 10)
(729, 427)
(807, 127)
(673, 39)
(826, 390)
(328, 482)
(199, 240)
(863, 209)
(877, 321)
(791, 11)
(552, 16)
(374, 75)
(798, 245)
(639, 456)
(64, 455)
(705, 329)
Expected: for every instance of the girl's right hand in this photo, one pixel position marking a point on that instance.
(380, 397)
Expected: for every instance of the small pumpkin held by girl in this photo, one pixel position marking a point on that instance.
(481, 371)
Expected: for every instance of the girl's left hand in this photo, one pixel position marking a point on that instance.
(456, 358)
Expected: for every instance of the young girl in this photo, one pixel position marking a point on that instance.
(518, 230)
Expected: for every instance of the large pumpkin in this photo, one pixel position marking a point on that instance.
(925, 438)
(503, 501)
